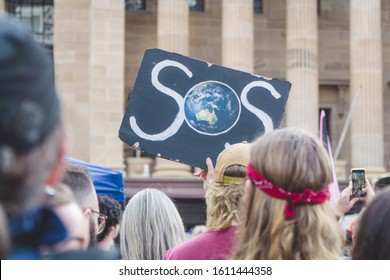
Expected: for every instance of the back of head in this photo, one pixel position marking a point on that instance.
(62, 195)
(224, 194)
(63, 202)
(151, 225)
(292, 162)
(29, 118)
(292, 159)
(372, 240)
(113, 210)
(4, 235)
(78, 179)
(236, 154)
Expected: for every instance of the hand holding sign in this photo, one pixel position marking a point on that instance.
(207, 175)
(186, 110)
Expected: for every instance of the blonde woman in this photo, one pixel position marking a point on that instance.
(150, 226)
(286, 213)
(223, 195)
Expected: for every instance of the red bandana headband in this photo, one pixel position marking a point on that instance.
(306, 197)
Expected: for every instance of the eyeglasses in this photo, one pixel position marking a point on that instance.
(102, 219)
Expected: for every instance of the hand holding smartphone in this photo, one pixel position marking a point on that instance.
(358, 178)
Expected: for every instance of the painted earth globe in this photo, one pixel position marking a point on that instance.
(211, 108)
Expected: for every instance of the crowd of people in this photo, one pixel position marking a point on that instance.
(268, 199)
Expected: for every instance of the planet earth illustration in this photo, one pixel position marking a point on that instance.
(211, 108)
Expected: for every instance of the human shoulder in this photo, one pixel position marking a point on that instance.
(189, 248)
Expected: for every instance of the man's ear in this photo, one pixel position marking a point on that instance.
(87, 212)
(111, 230)
(56, 172)
(114, 230)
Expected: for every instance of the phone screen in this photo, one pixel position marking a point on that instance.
(358, 182)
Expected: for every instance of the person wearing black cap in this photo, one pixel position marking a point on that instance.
(31, 141)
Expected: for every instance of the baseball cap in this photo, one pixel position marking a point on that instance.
(236, 154)
(29, 105)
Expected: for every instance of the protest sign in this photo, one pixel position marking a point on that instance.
(186, 110)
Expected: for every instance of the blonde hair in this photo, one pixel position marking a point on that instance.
(222, 200)
(151, 225)
(294, 161)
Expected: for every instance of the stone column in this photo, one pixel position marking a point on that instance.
(71, 36)
(89, 64)
(237, 35)
(2, 6)
(173, 26)
(107, 66)
(302, 64)
(172, 35)
(366, 77)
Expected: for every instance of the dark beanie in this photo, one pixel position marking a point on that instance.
(29, 105)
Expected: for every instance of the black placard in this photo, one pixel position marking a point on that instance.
(186, 110)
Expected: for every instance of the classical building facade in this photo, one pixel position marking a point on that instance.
(330, 50)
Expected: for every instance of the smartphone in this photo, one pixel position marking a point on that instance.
(358, 177)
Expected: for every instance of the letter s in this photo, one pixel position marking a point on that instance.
(179, 119)
(263, 117)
